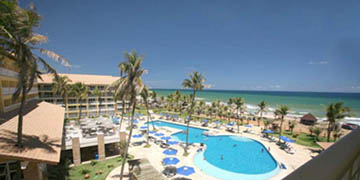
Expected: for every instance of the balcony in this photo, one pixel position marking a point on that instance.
(340, 161)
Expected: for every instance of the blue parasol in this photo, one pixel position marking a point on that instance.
(170, 161)
(170, 152)
(185, 170)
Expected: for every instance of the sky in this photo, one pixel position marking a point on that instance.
(278, 45)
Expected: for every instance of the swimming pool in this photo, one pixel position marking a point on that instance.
(228, 157)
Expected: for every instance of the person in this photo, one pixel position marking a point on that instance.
(222, 157)
(234, 145)
(269, 148)
(262, 149)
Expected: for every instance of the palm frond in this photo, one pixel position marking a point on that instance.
(56, 57)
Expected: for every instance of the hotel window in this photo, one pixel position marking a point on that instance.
(48, 94)
(92, 100)
(72, 108)
(72, 101)
(59, 101)
(47, 87)
(49, 100)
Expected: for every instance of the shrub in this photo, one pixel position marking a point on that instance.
(295, 135)
(93, 163)
(85, 171)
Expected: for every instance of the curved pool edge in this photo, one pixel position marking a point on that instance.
(211, 170)
(222, 174)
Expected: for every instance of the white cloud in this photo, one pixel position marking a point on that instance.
(208, 86)
(318, 62)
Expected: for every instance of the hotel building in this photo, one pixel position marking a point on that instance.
(90, 107)
(42, 129)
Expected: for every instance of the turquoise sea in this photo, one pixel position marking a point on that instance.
(299, 102)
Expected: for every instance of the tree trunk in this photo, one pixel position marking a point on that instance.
(122, 113)
(20, 119)
(133, 99)
(281, 123)
(148, 121)
(99, 99)
(65, 99)
(260, 118)
(115, 108)
(329, 131)
(188, 122)
(80, 101)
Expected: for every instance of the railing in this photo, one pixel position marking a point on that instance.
(340, 161)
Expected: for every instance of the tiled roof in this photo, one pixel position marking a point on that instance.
(42, 133)
(83, 78)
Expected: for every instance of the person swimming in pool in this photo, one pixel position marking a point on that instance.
(222, 157)
(234, 145)
(262, 149)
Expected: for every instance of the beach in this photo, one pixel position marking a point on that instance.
(300, 103)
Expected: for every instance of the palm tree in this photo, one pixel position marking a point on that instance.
(145, 94)
(334, 113)
(317, 131)
(131, 83)
(282, 111)
(116, 98)
(292, 125)
(337, 133)
(80, 91)
(196, 83)
(61, 87)
(262, 108)
(267, 123)
(239, 104)
(99, 93)
(153, 97)
(18, 40)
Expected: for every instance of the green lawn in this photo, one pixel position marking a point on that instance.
(304, 139)
(105, 167)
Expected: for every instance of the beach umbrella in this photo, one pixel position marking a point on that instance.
(269, 131)
(170, 152)
(248, 126)
(171, 161)
(152, 132)
(165, 138)
(159, 134)
(136, 121)
(137, 136)
(217, 122)
(172, 142)
(185, 170)
(143, 127)
(205, 121)
(231, 124)
(286, 139)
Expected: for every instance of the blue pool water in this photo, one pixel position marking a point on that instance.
(241, 155)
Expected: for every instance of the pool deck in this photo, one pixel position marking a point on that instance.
(154, 153)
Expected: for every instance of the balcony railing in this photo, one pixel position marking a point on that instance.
(340, 161)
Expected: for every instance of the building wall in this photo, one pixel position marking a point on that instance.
(8, 83)
(90, 106)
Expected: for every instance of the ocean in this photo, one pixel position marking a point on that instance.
(300, 103)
